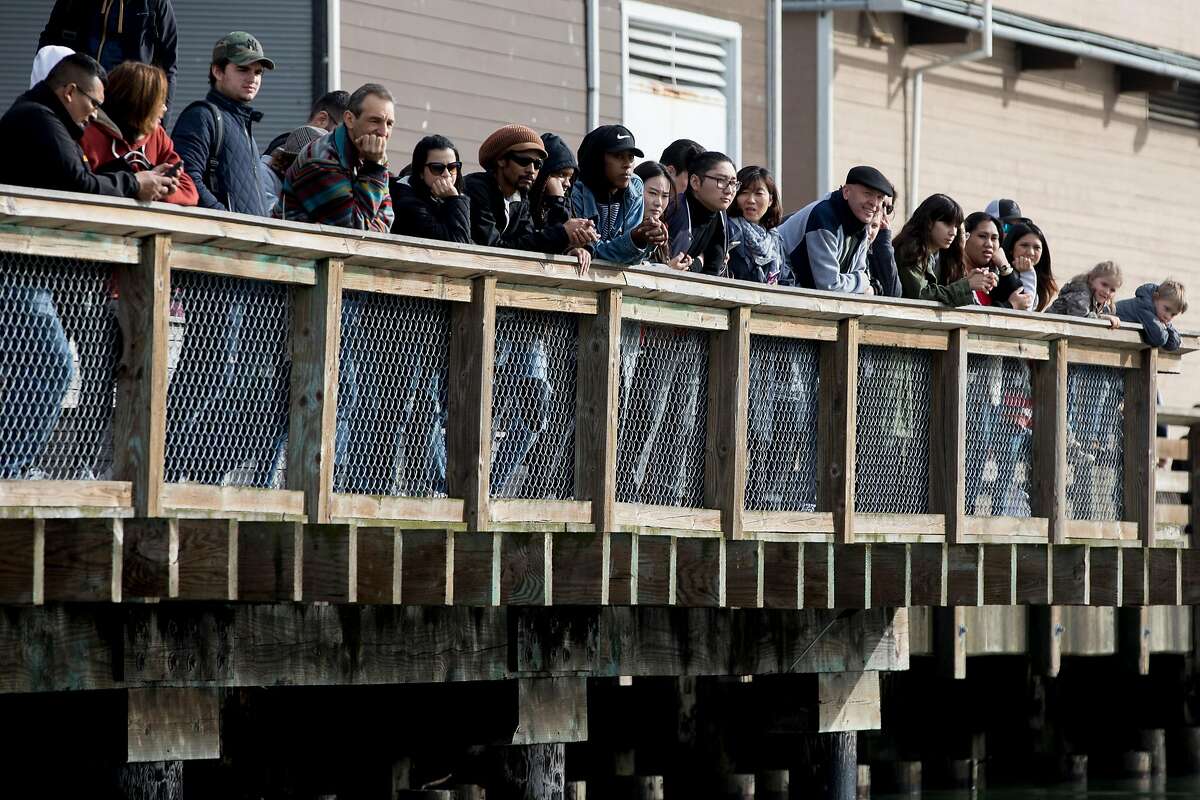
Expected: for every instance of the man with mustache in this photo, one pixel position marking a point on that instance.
(215, 137)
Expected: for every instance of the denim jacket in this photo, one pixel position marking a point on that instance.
(620, 249)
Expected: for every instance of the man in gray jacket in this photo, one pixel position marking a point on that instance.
(827, 240)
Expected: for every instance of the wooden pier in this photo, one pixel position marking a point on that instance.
(484, 518)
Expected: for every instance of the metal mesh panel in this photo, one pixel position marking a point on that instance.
(533, 404)
(1095, 442)
(892, 446)
(661, 426)
(227, 402)
(999, 436)
(782, 446)
(391, 411)
(59, 345)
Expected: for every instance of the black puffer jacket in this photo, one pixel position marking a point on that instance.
(488, 220)
(238, 186)
(419, 213)
(145, 31)
(42, 144)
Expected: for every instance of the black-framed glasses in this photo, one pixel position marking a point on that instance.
(525, 161)
(95, 103)
(723, 183)
(439, 168)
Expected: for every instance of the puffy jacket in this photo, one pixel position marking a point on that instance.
(134, 30)
(237, 182)
(827, 246)
(487, 220)
(419, 213)
(42, 149)
(619, 247)
(103, 143)
(1140, 308)
(1075, 300)
(327, 184)
(756, 254)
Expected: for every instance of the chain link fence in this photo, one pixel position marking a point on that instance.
(227, 400)
(999, 436)
(59, 348)
(1095, 442)
(892, 445)
(533, 404)
(782, 448)
(662, 425)
(391, 411)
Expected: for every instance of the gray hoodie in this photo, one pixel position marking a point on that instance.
(1140, 308)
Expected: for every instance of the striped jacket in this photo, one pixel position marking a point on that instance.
(327, 186)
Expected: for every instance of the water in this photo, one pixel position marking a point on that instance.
(1147, 789)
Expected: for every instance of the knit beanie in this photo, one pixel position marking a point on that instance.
(509, 137)
(558, 155)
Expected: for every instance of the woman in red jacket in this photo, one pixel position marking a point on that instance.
(128, 134)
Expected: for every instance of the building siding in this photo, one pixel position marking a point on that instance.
(1101, 179)
(1162, 23)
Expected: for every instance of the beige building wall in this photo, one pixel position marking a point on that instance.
(1174, 24)
(1084, 162)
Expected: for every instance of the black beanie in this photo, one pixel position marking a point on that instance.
(558, 155)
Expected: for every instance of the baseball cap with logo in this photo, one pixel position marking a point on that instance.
(240, 48)
(614, 139)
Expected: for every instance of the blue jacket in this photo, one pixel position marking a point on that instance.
(238, 183)
(620, 248)
(815, 238)
(1140, 308)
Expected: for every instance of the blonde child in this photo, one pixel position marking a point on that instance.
(1091, 294)
(1155, 306)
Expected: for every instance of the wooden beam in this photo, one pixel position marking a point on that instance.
(1070, 571)
(782, 568)
(950, 641)
(206, 564)
(83, 560)
(1033, 58)
(551, 710)
(964, 574)
(596, 395)
(745, 574)
(852, 576)
(948, 435)
(270, 561)
(1194, 482)
(379, 564)
(173, 724)
(1045, 639)
(330, 569)
(427, 559)
(140, 416)
(22, 557)
(848, 701)
(316, 339)
(146, 558)
(526, 568)
(582, 568)
(1048, 496)
(469, 431)
(891, 576)
(725, 463)
(1136, 80)
(837, 426)
(1133, 639)
(1141, 458)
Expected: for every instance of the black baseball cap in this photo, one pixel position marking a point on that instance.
(872, 179)
(1004, 210)
(614, 139)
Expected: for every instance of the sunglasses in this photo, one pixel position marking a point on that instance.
(438, 168)
(525, 161)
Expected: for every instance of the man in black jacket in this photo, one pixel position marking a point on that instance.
(41, 133)
(499, 198)
(113, 31)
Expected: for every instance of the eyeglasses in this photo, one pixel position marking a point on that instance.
(723, 183)
(95, 103)
(525, 161)
(438, 168)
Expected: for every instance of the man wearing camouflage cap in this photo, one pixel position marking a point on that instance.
(214, 136)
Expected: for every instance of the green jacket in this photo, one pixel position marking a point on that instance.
(922, 282)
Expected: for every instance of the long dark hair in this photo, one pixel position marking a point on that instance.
(1047, 284)
(648, 171)
(748, 177)
(421, 156)
(973, 221)
(537, 196)
(912, 243)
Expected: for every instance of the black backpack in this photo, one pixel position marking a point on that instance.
(214, 155)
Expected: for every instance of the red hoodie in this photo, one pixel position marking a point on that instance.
(102, 142)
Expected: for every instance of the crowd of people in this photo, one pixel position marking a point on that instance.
(82, 127)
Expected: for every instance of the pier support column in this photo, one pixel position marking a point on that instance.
(151, 780)
(531, 772)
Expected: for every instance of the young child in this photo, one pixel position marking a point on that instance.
(1091, 294)
(1155, 307)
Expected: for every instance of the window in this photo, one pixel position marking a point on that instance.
(1180, 107)
(681, 78)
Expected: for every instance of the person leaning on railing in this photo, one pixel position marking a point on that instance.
(43, 128)
(698, 222)
(755, 250)
(929, 255)
(429, 198)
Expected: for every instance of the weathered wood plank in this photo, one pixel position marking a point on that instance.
(1070, 571)
(427, 560)
(83, 560)
(964, 574)
(1011, 347)
(469, 439)
(171, 724)
(852, 570)
(783, 583)
(1034, 577)
(699, 571)
(848, 701)
(596, 397)
(270, 561)
(911, 338)
(1048, 497)
(675, 314)
(330, 563)
(22, 554)
(476, 569)
(551, 710)
(837, 429)
(1140, 458)
(312, 414)
(928, 569)
(1135, 574)
(793, 327)
(1103, 357)
(32, 241)
(407, 284)
(999, 575)
(207, 559)
(744, 574)
(726, 460)
(376, 508)
(1163, 581)
(582, 568)
(87, 496)
(241, 501)
(241, 264)
(146, 554)
(1104, 571)
(948, 435)
(526, 571)
(655, 570)
(570, 301)
(817, 574)
(379, 565)
(891, 575)
(140, 414)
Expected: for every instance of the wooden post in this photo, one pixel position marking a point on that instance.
(469, 429)
(838, 422)
(162, 780)
(1193, 440)
(1045, 639)
(1141, 458)
(531, 771)
(947, 452)
(725, 464)
(140, 417)
(1048, 497)
(950, 641)
(312, 423)
(173, 724)
(596, 410)
(1133, 639)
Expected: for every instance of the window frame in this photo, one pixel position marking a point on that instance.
(726, 32)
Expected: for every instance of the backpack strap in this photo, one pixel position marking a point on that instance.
(214, 154)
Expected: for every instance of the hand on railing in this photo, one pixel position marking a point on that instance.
(584, 257)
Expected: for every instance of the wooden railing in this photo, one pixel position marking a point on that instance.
(854, 343)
